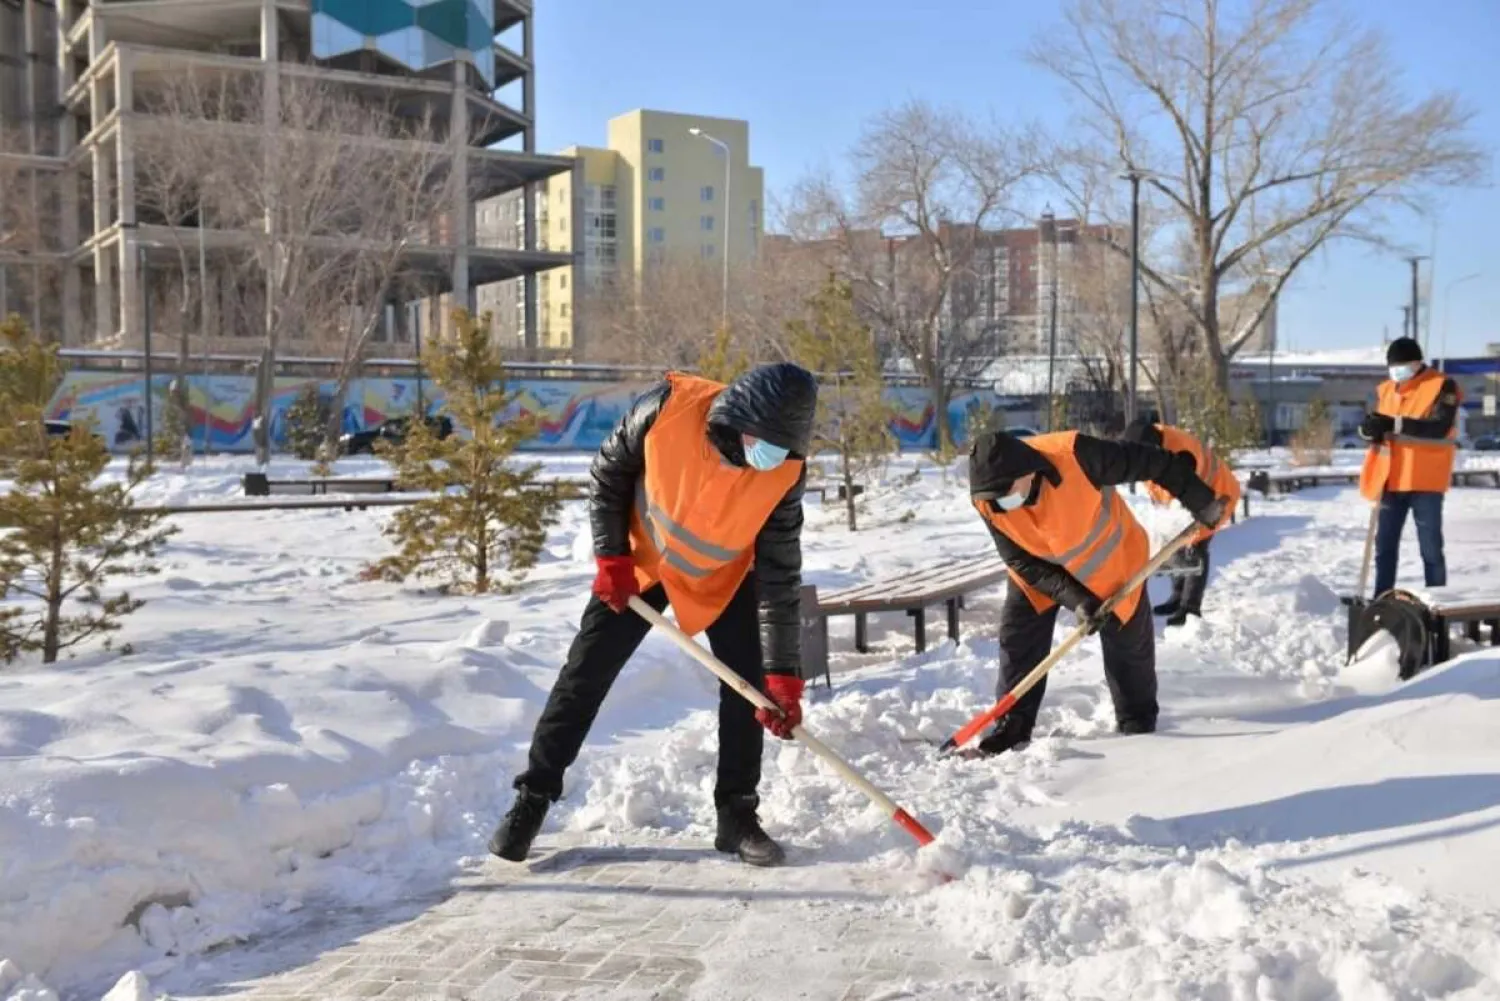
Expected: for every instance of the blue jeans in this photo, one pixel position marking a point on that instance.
(1427, 511)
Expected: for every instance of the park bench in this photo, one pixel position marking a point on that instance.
(822, 490)
(1285, 481)
(262, 485)
(945, 584)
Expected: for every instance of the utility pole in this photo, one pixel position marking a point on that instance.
(1049, 234)
(1135, 291)
(1405, 320)
(1415, 312)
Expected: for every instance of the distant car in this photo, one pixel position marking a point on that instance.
(392, 430)
(1487, 443)
(1021, 431)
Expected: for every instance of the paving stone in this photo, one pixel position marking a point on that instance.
(616, 968)
(530, 968)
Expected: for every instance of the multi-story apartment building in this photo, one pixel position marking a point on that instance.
(657, 191)
(30, 250)
(444, 61)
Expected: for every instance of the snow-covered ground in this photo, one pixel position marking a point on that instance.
(286, 738)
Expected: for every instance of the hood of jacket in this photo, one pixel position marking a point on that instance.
(998, 459)
(776, 403)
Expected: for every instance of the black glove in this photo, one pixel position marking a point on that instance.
(1087, 607)
(1210, 514)
(1375, 427)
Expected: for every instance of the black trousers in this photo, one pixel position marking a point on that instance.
(1187, 589)
(605, 641)
(1129, 659)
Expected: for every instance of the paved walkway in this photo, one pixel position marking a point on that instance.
(635, 922)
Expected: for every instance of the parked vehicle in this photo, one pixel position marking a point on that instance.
(392, 430)
(1021, 431)
(1487, 443)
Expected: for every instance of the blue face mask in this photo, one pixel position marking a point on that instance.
(764, 456)
(1400, 373)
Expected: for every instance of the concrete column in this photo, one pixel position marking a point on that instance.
(528, 86)
(461, 209)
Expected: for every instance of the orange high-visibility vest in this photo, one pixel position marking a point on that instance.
(1404, 463)
(1210, 470)
(695, 518)
(1087, 529)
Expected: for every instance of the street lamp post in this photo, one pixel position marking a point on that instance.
(723, 147)
(1447, 298)
(143, 284)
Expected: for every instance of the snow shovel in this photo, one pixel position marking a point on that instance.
(903, 820)
(1008, 701)
(1364, 568)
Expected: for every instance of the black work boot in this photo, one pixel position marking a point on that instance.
(1168, 607)
(1010, 733)
(740, 832)
(1141, 725)
(512, 839)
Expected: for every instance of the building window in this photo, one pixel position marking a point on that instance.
(656, 174)
(706, 223)
(562, 223)
(655, 146)
(562, 281)
(706, 193)
(656, 234)
(562, 310)
(706, 251)
(657, 204)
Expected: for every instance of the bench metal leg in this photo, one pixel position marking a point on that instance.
(954, 604)
(1441, 644)
(861, 632)
(1494, 625)
(1471, 629)
(919, 617)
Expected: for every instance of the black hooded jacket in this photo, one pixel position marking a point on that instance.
(773, 402)
(996, 461)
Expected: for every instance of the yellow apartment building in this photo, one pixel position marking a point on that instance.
(658, 190)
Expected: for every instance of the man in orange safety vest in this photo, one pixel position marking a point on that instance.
(1413, 438)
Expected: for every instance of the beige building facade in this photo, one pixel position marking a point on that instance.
(656, 191)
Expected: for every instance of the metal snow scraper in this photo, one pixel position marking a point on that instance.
(902, 819)
(971, 729)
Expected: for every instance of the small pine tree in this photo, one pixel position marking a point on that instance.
(175, 437)
(487, 520)
(65, 535)
(853, 418)
(306, 422)
(1312, 445)
(723, 361)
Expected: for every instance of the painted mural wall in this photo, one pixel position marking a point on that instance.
(572, 415)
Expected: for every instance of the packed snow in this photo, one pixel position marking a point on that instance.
(285, 738)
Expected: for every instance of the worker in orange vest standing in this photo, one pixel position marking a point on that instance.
(696, 501)
(1413, 438)
(1068, 538)
(1188, 588)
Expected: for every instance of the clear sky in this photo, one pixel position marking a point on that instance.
(807, 73)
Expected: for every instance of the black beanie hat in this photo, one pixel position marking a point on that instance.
(1144, 431)
(1402, 350)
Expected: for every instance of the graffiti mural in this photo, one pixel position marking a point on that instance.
(570, 414)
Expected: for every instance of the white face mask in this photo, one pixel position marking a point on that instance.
(1400, 373)
(1010, 501)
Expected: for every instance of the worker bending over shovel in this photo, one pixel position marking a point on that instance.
(1068, 538)
(696, 500)
(1189, 584)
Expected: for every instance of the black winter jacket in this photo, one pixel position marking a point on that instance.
(996, 461)
(773, 402)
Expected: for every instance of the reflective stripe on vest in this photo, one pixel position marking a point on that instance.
(659, 524)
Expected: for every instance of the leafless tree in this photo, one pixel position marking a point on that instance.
(927, 183)
(1266, 128)
(316, 193)
(670, 316)
(29, 206)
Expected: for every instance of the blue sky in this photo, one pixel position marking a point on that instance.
(807, 73)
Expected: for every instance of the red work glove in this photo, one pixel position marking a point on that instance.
(786, 691)
(614, 583)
